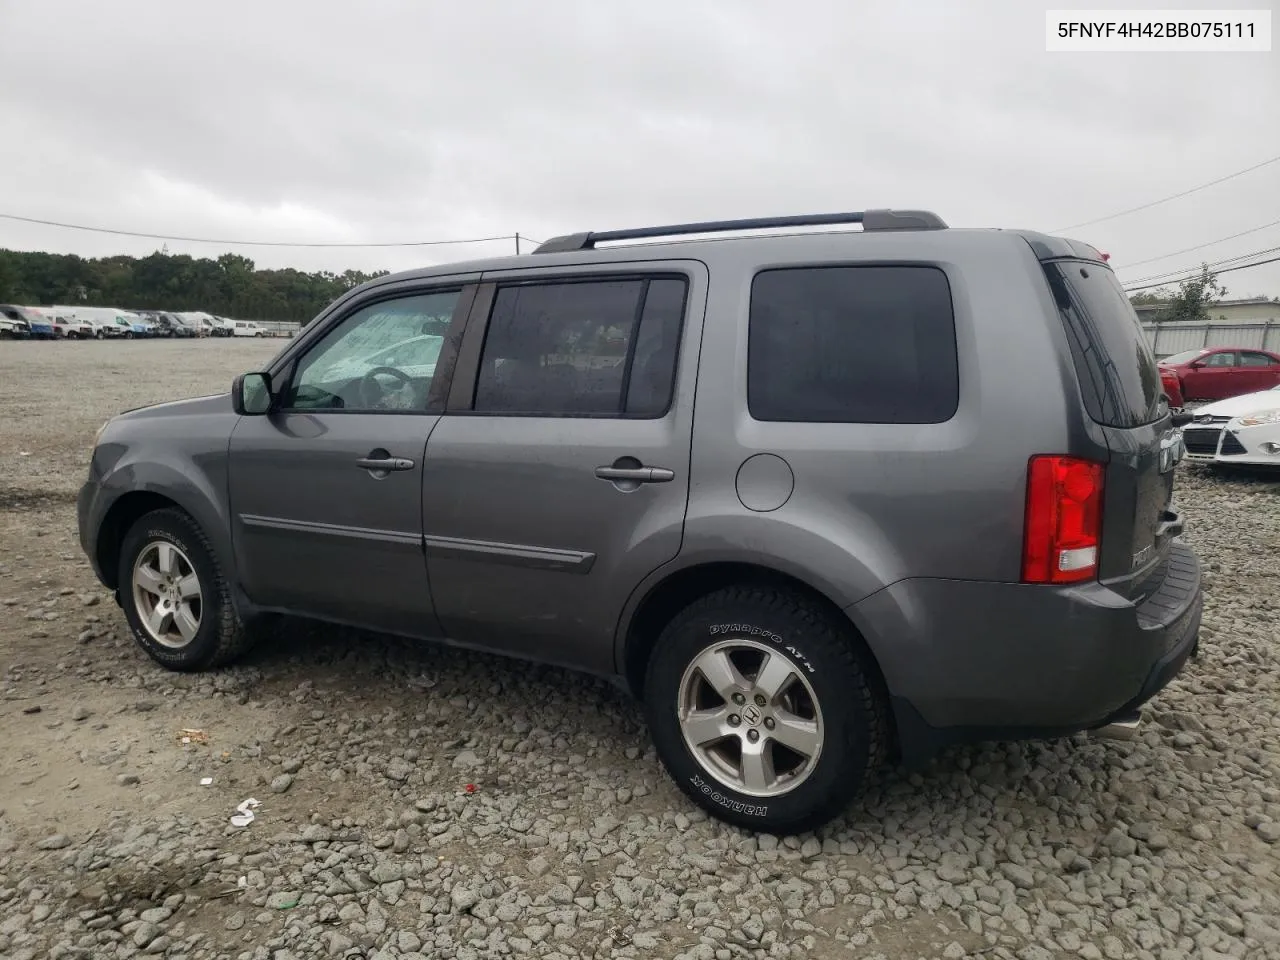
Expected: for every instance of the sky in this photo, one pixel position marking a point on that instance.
(412, 120)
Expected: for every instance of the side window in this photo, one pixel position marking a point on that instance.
(1226, 359)
(582, 348)
(852, 345)
(380, 357)
(1256, 360)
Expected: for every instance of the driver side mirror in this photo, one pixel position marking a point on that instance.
(251, 394)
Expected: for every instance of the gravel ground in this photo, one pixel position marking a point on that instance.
(421, 803)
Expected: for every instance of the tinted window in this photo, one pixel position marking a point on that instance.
(852, 345)
(1227, 359)
(1255, 360)
(1185, 357)
(584, 348)
(653, 369)
(1117, 371)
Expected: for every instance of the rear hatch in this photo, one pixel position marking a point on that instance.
(1120, 385)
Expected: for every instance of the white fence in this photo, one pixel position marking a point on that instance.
(1170, 338)
(279, 328)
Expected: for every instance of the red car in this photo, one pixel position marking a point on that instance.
(1216, 373)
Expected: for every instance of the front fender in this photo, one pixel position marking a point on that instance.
(199, 489)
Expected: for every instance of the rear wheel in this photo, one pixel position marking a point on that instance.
(763, 709)
(100, 335)
(175, 597)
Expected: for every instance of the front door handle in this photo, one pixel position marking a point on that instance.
(384, 464)
(636, 474)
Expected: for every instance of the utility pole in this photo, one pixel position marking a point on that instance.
(517, 244)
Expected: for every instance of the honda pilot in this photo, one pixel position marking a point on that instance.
(818, 496)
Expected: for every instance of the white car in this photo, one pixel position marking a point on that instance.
(1241, 430)
(247, 328)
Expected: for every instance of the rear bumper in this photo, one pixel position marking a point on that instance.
(968, 661)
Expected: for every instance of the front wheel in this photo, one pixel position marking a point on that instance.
(175, 598)
(764, 709)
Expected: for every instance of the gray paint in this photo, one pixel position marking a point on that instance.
(501, 535)
(765, 482)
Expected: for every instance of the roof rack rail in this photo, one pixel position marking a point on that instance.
(870, 220)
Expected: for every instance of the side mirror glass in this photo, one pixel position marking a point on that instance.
(251, 394)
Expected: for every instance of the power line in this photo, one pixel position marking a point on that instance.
(245, 243)
(1200, 246)
(1184, 193)
(1243, 266)
(1213, 264)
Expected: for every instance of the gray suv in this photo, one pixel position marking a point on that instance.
(818, 498)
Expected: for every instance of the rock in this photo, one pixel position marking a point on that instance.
(1269, 831)
(234, 922)
(1018, 875)
(281, 783)
(538, 866)
(463, 898)
(466, 760)
(386, 872)
(145, 933)
(283, 900)
(81, 713)
(56, 841)
(315, 833)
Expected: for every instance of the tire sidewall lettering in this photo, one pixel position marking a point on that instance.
(751, 630)
(737, 806)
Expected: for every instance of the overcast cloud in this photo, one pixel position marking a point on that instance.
(388, 120)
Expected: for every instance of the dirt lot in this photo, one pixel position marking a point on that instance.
(416, 802)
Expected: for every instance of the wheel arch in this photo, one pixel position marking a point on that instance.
(682, 587)
(127, 510)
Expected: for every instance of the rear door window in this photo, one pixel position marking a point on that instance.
(1117, 371)
(590, 348)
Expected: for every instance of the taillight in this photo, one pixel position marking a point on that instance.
(1063, 529)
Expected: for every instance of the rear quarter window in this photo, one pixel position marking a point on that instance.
(1117, 371)
(852, 344)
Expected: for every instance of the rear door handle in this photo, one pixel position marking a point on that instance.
(636, 474)
(387, 463)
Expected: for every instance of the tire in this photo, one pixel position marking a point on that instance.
(218, 636)
(128, 334)
(823, 664)
(100, 335)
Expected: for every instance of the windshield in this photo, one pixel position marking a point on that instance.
(1185, 357)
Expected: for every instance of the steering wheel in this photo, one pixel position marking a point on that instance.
(368, 384)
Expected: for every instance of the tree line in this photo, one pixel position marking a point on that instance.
(233, 286)
(229, 286)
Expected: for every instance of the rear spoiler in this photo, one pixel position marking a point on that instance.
(1046, 247)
